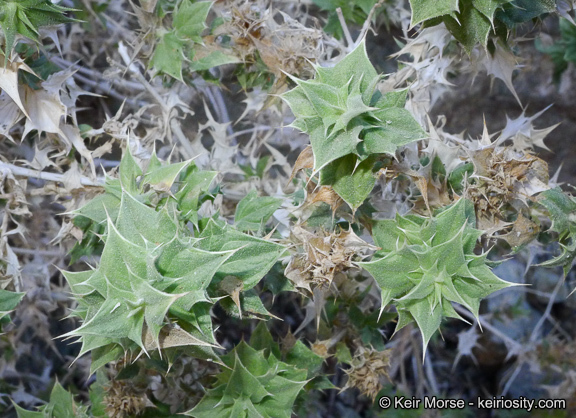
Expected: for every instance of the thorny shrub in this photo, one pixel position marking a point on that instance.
(383, 218)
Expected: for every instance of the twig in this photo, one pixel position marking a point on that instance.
(491, 328)
(65, 64)
(366, 25)
(27, 172)
(347, 35)
(36, 251)
(187, 150)
(546, 313)
(103, 86)
(431, 376)
(512, 378)
(224, 116)
(145, 84)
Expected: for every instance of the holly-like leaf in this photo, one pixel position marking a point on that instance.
(189, 19)
(261, 339)
(150, 272)
(474, 22)
(561, 208)
(253, 211)
(351, 179)
(423, 10)
(25, 17)
(8, 302)
(202, 58)
(130, 171)
(162, 178)
(194, 183)
(254, 384)
(303, 358)
(470, 26)
(61, 405)
(426, 264)
(344, 113)
(252, 259)
(169, 55)
(520, 11)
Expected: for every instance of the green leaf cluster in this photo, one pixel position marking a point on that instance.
(562, 211)
(8, 302)
(61, 404)
(25, 17)
(253, 384)
(353, 11)
(473, 22)
(252, 211)
(425, 264)
(350, 123)
(153, 272)
(563, 51)
(183, 40)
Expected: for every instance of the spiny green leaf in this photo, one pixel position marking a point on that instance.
(169, 55)
(253, 211)
(26, 17)
(8, 302)
(189, 19)
(562, 209)
(344, 113)
(163, 177)
(129, 172)
(429, 9)
(520, 11)
(397, 127)
(472, 22)
(425, 264)
(253, 258)
(213, 59)
(97, 208)
(250, 306)
(469, 27)
(351, 179)
(489, 7)
(261, 339)
(303, 358)
(150, 269)
(142, 225)
(194, 183)
(61, 405)
(254, 385)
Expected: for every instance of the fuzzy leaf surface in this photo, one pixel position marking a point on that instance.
(254, 384)
(426, 264)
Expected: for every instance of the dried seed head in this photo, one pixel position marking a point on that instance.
(324, 255)
(124, 400)
(505, 177)
(368, 369)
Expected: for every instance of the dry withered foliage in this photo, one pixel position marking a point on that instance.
(187, 383)
(506, 178)
(368, 369)
(305, 160)
(123, 399)
(283, 43)
(323, 255)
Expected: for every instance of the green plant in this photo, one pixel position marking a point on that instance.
(474, 22)
(562, 52)
(222, 283)
(351, 124)
(26, 17)
(426, 264)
